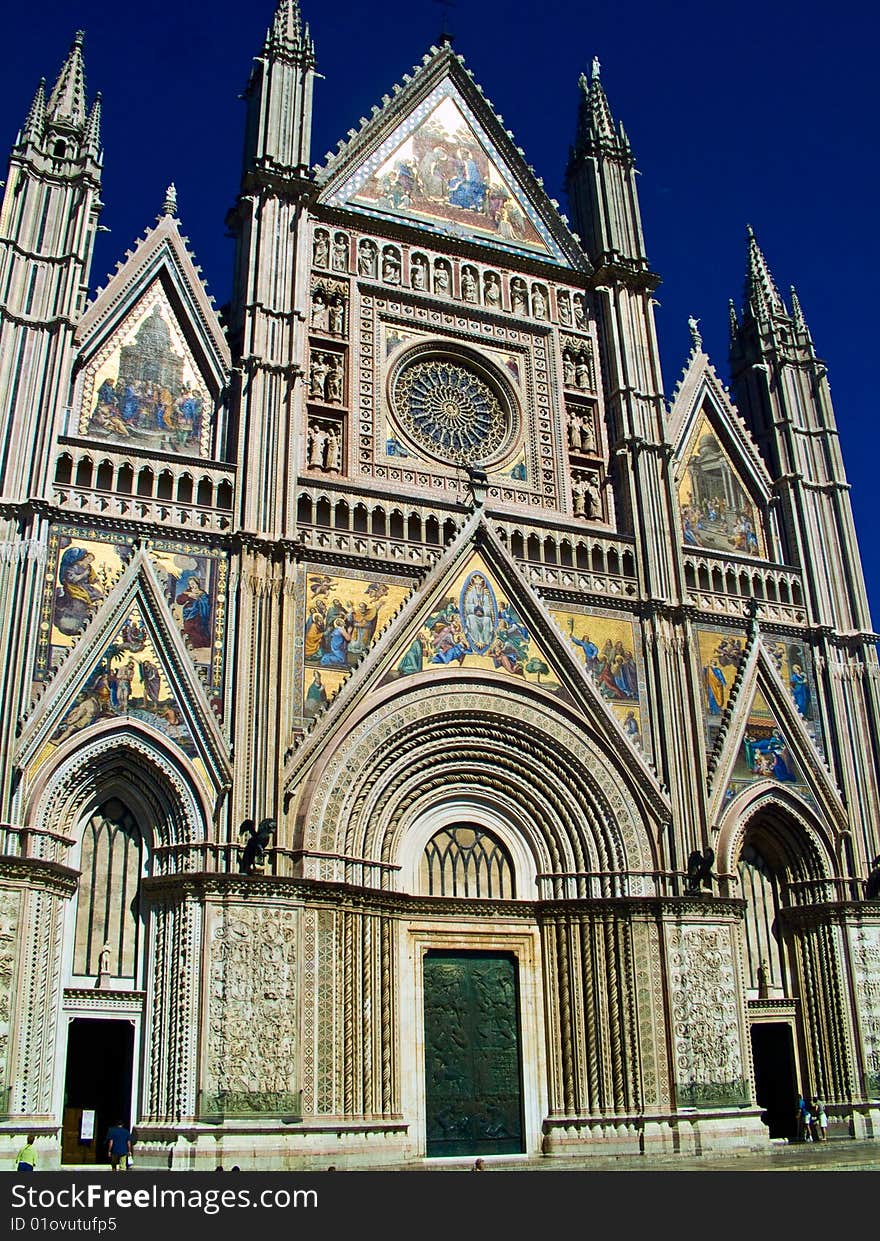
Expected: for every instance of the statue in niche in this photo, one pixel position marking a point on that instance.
(391, 267)
(588, 432)
(367, 256)
(318, 372)
(319, 312)
(321, 252)
(441, 278)
(582, 373)
(340, 252)
(585, 496)
(253, 859)
(419, 272)
(470, 290)
(539, 302)
(317, 441)
(334, 383)
(763, 981)
(491, 289)
(580, 317)
(331, 463)
(336, 317)
(564, 305)
(575, 432)
(568, 375)
(518, 298)
(103, 966)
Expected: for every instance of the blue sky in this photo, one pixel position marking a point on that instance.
(748, 113)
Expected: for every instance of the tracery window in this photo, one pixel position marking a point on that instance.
(760, 890)
(109, 898)
(464, 859)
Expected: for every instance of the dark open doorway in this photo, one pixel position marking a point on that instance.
(775, 1076)
(98, 1076)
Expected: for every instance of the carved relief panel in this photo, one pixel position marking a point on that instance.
(865, 956)
(252, 1040)
(709, 1066)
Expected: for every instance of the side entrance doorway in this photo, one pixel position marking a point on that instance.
(776, 1076)
(473, 1056)
(97, 1086)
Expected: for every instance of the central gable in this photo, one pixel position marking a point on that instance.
(440, 169)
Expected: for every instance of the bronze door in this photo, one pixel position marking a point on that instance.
(473, 1070)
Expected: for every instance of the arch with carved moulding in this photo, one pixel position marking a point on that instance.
(793, 837)
(560, 799)
(129, 761)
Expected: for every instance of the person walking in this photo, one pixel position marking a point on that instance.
(118, 1141)
(26, 1160)
(821, 1120)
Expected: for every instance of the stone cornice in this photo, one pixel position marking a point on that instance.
(36, 873)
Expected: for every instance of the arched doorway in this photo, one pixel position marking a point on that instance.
(781, 863)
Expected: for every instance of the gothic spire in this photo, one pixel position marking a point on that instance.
(595, 120)
(92, 141)
(797, 314)
(761, 295)
(32, 130)
(286, 40)
(67, 103)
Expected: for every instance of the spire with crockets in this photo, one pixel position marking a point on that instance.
(286, 38)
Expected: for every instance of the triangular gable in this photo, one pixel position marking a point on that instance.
(437, 157)
(764, 738)
(456, 619)
(153, 362)
(130, 664)
(722, 485)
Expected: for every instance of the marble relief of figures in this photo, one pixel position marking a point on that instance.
(321, 249)
(328, 308)
(540, 305)
(326, 372)
(563, 302)
(580, 317)
(148, 392)
(586, 497)
(491, 289)
(581, 430)
(518, 297)
(324, 447)
(470, 288)
(442, 277)
(441, 172)
(577, 366)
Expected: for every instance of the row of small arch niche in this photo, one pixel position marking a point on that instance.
(124, 480)
(369, 262)
(730, 582)
(380, 523)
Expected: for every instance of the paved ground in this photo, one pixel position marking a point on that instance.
(841, 1155)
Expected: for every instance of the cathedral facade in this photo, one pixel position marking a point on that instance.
(423, 737)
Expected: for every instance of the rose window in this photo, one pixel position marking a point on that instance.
(449, 411)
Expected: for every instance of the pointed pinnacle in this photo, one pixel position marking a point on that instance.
(169, 206)
(67, 103)
(596, 120)
(734, 321)
(285, 40)
(92, 140)
(32, 131)
(761, 293)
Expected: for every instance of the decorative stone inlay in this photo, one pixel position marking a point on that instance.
(252, 1013)
(709, 1069)
(449, 411)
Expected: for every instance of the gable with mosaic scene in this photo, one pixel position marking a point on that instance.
(82, 567)
(764, 753)
(342, 617)
(610, 652)
(143, 389)
(440, 169)
(716, 509)
(474, 625)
